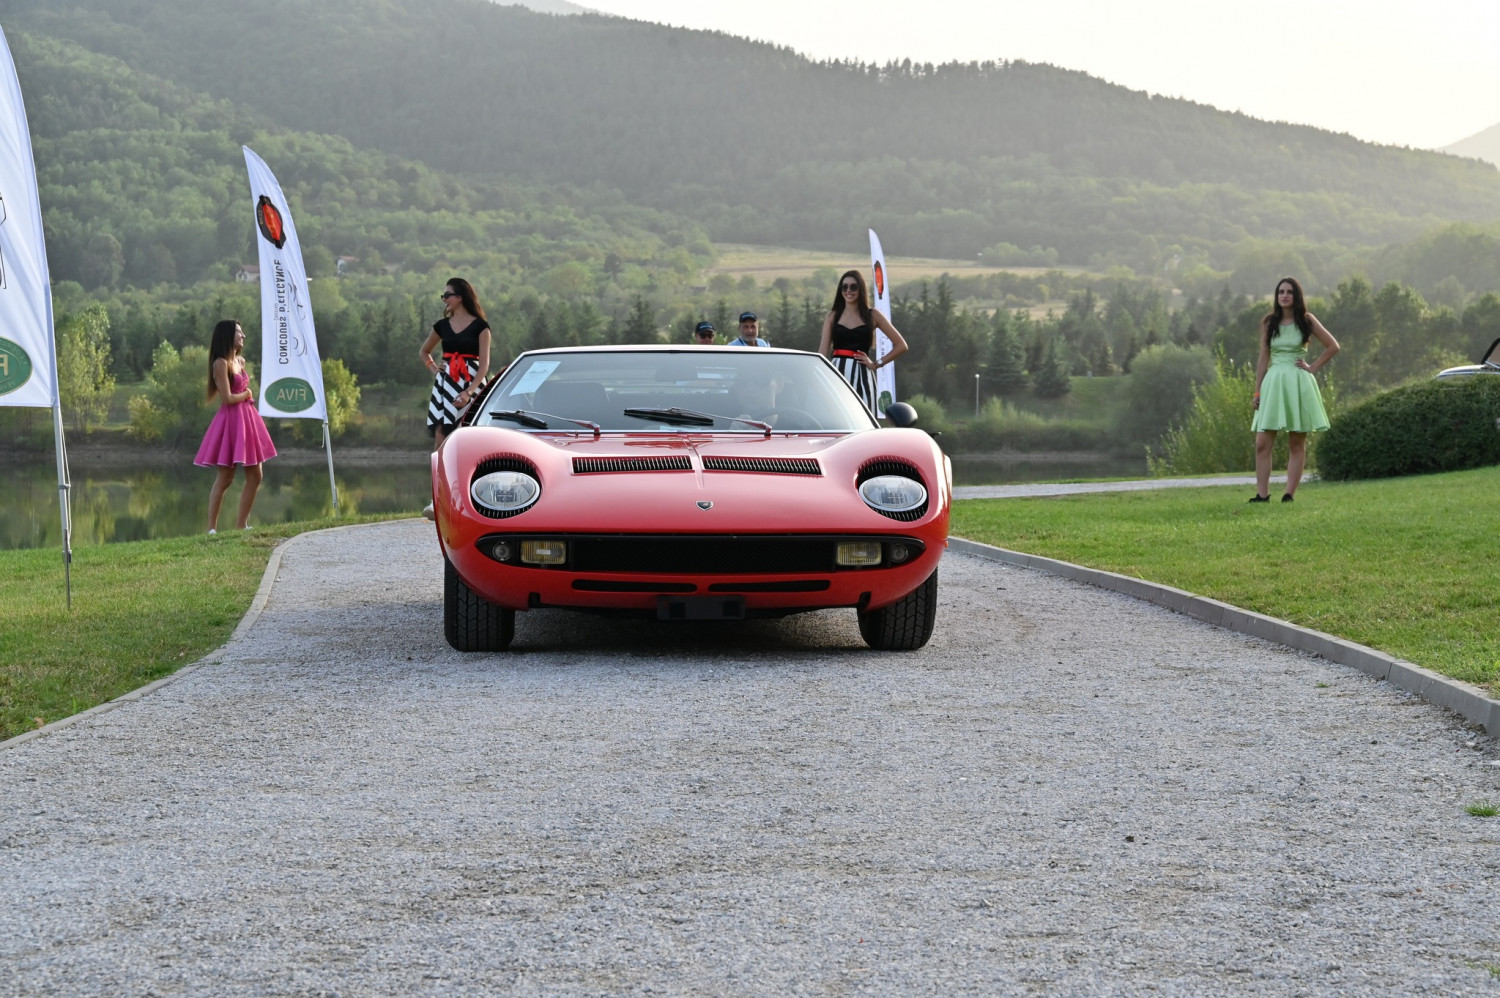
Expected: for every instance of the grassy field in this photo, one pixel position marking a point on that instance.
(766, 263)
(1403, 565)
(140, 611)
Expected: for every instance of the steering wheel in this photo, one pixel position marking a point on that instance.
(806, 419)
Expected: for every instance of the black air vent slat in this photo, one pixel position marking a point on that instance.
(594, 465)
(765, 465)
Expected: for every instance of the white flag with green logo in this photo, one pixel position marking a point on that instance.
(291, 374)
(28, 352)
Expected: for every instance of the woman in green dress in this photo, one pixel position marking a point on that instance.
(1286, 393)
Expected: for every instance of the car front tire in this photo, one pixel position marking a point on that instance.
(470, 622)
(904, 625)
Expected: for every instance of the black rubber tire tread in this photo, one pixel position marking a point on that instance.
(906, 624)
(471, 623)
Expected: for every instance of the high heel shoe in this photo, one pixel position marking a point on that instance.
(1287, 497)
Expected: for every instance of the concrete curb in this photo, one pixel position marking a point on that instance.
(267, 580)
(1464, 699)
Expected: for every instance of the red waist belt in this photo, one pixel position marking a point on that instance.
(458, 364)
(850, 353)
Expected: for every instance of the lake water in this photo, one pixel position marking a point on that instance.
(130, 502)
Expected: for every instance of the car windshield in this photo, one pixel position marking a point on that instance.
(691, 390)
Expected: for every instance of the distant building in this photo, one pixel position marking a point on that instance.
(345, 262)
(248, 274)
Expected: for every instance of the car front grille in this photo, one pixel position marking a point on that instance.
(596, 465)
(764, 465)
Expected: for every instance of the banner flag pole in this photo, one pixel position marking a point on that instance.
(880, 285)
(291, 371)
(333, 488)
(28, 338)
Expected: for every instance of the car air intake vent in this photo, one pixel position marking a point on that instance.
(889, 466)
(591, 465)
(767, 465)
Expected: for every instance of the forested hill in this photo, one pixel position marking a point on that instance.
(762, 145)
(142, 183)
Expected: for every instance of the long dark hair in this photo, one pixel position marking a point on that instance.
(1299, 312)
(466, 295)
(864, 297)
(221, 347)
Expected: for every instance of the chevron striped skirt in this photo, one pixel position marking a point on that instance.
(441, 410)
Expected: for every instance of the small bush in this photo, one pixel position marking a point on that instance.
(1159, 390)
(930, 415)
(1001, 426)
(1416, 430)
(1214, 435)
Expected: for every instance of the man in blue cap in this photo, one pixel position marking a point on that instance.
(749, 332)
(703, 334)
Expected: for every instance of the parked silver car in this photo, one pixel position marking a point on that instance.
(1489, 363)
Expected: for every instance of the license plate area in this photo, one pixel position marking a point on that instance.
(700, 608)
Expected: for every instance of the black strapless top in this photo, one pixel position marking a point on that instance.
(860, 337)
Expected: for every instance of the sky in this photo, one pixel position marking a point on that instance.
(1422, 73)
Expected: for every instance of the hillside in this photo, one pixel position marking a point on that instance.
(143, 183)
(761, 145)
(1485, 145)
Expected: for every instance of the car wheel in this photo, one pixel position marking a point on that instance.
(471, 623)
(906, 624)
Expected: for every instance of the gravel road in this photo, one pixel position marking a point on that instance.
(1067, 792)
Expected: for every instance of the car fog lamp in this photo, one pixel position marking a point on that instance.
(544, 552)
(893, 493)
(505, 491)
(859, 554)
(503, 551)
(899, 553)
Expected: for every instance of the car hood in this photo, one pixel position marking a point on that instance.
(659, 482)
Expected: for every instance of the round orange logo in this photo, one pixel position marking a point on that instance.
(268, 217)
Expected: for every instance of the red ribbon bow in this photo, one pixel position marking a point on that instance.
(458, 365)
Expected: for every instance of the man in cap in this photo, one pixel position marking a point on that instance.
(703, 334)
(749, 332)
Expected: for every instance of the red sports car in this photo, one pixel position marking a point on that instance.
(690, 483)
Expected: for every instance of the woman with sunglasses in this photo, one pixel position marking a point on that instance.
(465, 336)
(1286, 393)
(849, 338)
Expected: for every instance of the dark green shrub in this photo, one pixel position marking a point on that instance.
(1420, 429)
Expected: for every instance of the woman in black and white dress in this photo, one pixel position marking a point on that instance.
(849, 338)
(465, 337)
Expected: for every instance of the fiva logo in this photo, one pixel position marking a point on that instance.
(15, 366)
(291, 395)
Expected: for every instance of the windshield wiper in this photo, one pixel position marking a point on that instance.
(520, 416)
(674, 415)
(690, 417)
(536, 421)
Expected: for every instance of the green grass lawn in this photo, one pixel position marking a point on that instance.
(1409, 565)
(140, 611)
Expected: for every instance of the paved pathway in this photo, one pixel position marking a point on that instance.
(1067, 792)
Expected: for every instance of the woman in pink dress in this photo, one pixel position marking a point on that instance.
(237, 435)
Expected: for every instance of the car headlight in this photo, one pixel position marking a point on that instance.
(505, 491)
(892, 493)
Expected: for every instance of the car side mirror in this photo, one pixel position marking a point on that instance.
(901, 414)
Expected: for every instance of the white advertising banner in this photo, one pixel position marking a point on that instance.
(291, 373)
(28, 351)
(880, 289)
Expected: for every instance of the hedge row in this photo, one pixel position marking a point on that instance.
(1435, 426)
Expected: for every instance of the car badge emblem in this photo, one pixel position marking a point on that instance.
(705, 504)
